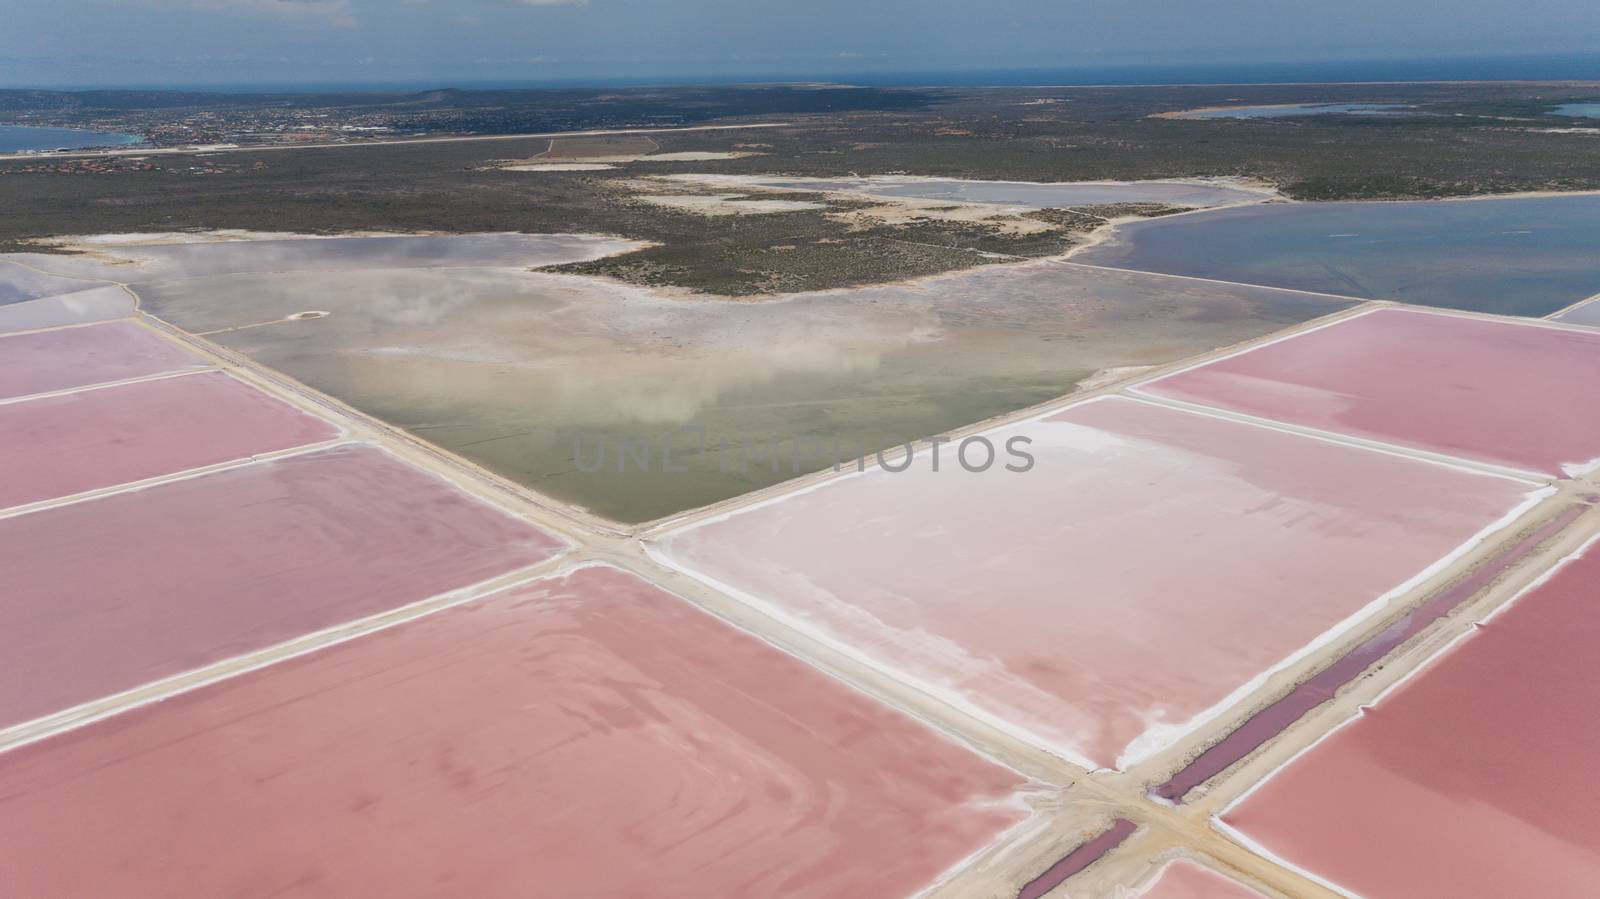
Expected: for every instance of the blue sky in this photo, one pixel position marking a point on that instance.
(48, 42)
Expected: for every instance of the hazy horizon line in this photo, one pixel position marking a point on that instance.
(1563, 67)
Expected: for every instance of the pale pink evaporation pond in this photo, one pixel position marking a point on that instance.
(1184, 879)
(68, 443)
(1477, 777)
(43, 361)
(105, 595)
(1492, 391)
(1586, 314)
(585, 735)
(1153, 562)
(84, 306)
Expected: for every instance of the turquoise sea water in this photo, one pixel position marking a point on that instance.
(1579, 110)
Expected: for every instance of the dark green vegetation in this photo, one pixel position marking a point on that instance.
(1087, 218)
(741, 255)
(1466, 139)
(1476, 139)
(172, 117)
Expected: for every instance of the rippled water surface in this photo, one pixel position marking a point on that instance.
(1518, 256)
(540, 376)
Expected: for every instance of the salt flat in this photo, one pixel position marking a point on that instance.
(1098, 601)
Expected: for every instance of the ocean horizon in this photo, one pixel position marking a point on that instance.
(1562, 67)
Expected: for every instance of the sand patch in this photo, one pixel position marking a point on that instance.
(594, 153)
(727, 204)
(559, 167)
(1112, 375)
(1007, 220)
(221, 235)
(693, 156)
(1009, 208)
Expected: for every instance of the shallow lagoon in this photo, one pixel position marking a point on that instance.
(20, 283)
(29, 139)
(192, 256)
(76, 308)
(522, 372)
(1578, 110)
(1582, 314)
(1516, 256)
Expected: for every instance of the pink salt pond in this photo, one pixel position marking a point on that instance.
(105, 595)
(1500, 392)
(1476, 777)
(72, 442)
(1184, 879)
(583, 735)
(1150, 568)
(43, 361)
